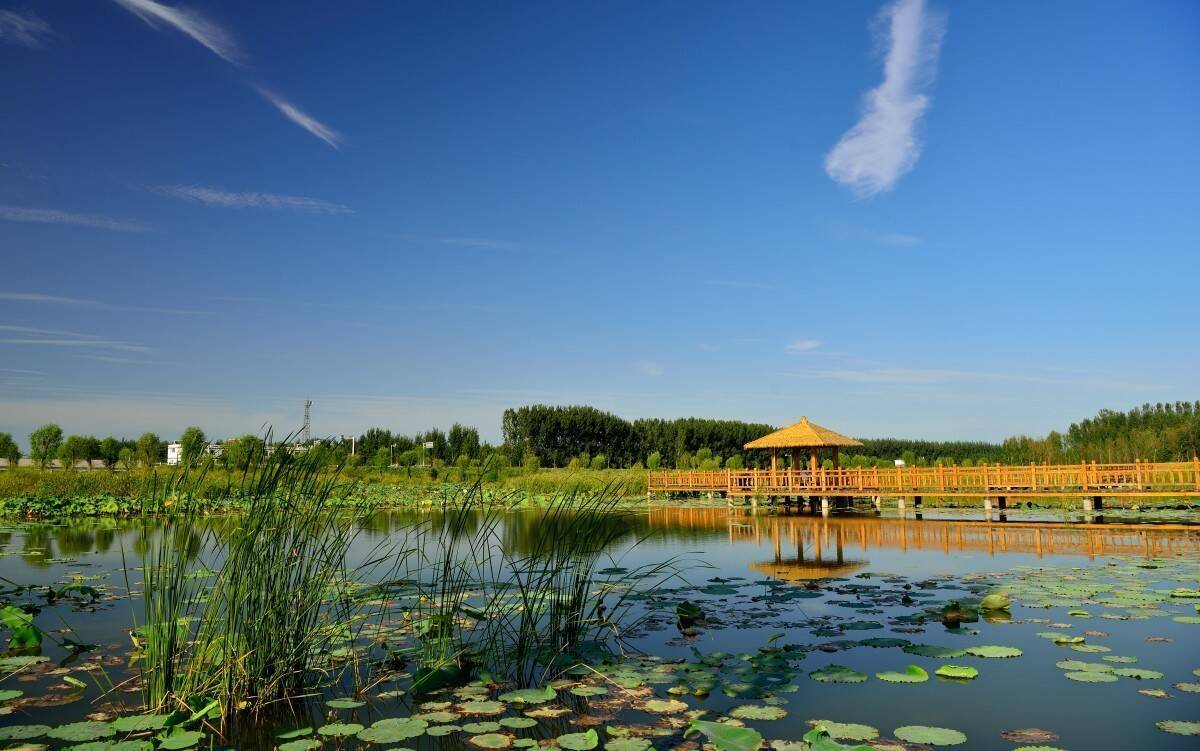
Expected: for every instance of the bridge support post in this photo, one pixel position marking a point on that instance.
(824, 505)
(1093, 503)
(987, 504)
(901, 502)
(710, 495)
(877, 502)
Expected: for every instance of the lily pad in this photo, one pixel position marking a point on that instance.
(962, 672)
(178, 739)
(341, 729)
(991, 650)
(758, 712)
(727, 737)
(1091, 676)
(304, 744)
(837, 674)
(529, 696)
(932, 650)
(579, 741)
(82, 731)
(1140, 674)
(911, 674)
(491, 740)
(846, 731)
(23, 732)
(932, 736)
(1179, 727)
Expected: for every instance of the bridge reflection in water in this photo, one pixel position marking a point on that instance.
(812, 545)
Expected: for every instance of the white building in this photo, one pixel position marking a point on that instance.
(174, 453)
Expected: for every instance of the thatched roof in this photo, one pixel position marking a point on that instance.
(803, 434)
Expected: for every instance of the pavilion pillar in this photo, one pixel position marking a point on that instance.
(774, 460)
(836, 463)
(796, 462)
(814, 459)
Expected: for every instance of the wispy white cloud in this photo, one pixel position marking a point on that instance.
(884, 144)
(234, 200)
(648, 368)
(114, 360)
(54, 216)
(97, 343)
(41, 299)
(219, 41)
(735, 284)
(946, 375)
(24, 29)
(45, 332)
(303, 119)
(479, 243)
(803, 345)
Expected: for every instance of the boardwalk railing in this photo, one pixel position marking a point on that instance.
(1089, 479)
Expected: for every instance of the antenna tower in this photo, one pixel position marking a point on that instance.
(306, 431)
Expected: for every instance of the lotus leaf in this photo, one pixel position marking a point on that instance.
(957, 671)
(911, 674)
(727, 737)
(529, 696)
(82, 731)
(846, 731)
(1179, 727)
(994, 651)
(758, 712)
(837, 674)
(580, 741)
(930, 735)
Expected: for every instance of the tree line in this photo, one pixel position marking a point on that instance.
(581, 436)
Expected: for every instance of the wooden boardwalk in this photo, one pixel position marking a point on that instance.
(1089, 480)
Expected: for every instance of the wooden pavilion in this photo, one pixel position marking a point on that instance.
(802, 436)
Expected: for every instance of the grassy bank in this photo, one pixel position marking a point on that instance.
(34, 492)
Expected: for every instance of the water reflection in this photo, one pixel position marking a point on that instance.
(950, 536)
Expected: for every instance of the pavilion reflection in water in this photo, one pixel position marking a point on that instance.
(828, 538)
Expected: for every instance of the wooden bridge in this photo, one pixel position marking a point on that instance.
(1091, 481)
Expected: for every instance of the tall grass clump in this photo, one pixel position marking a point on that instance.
(524, 596)
(243, 625)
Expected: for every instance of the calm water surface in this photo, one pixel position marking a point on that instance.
(745, 572)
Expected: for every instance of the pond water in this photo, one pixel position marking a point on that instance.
(1096, 650)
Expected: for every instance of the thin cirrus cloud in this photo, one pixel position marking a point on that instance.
(24, 29)
(235, 200)
(303, 119)
(222, 44)
(884, 144)
(38, 298)
(648, 368)
(218, 41)
(802, 345)
(54, 216)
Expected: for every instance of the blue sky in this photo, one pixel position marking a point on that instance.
(949, 220)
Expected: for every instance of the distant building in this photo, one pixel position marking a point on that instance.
(174, 453)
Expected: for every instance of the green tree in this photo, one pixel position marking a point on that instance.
(531, 463)
(381, 457)
(126, 458)
(44, 443)
(9, 450)
(192, 444)
(110, 451)
(147, 449)
(72, 451)
(735, 462)
(599, 461)
(654, 461)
